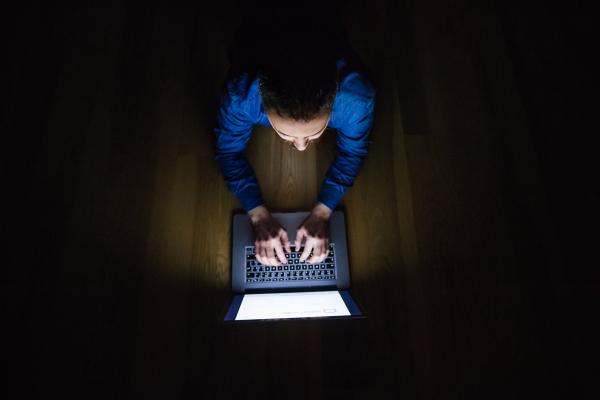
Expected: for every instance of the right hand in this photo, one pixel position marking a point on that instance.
(269, 237)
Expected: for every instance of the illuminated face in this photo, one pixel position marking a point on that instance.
(299, 135)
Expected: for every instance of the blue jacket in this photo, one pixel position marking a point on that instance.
(241, 108)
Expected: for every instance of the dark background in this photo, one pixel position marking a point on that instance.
(68, 332)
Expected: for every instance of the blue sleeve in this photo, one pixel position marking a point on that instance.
(231, 136)
(353, 146)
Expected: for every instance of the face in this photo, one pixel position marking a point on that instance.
(299, 135)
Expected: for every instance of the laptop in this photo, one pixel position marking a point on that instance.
(292, 291)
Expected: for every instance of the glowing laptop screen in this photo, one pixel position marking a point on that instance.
(291, 305)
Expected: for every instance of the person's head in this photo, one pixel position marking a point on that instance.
(298, 83)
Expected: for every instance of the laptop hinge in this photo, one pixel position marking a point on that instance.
(292, 289)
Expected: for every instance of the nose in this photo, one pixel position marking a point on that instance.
(301, 144)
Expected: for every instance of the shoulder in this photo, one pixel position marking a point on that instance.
(239, 85)
(356, 83)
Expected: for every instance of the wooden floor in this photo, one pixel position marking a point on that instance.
(462, 233)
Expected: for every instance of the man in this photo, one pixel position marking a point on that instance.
(300, 83)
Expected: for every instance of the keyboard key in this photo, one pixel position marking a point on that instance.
(330, 266)
(250, 275)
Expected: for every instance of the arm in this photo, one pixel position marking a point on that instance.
(353, 147)
(231, 136)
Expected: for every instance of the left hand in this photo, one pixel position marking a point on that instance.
(315, 228)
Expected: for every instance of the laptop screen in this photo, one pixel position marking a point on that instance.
(296, 305)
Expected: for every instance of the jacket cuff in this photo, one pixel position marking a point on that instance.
(329, 196)
(251, 198)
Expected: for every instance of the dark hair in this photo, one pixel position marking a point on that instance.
(298, 76)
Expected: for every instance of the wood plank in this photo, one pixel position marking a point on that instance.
(121, 260)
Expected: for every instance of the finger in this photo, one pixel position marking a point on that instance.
(315, 253)
(321, 251)
(299, 237)
(263, 255)
(315, 257)
(257, 256)
(280, 253)
(286, 241)
(256, 251)
(271, 254)
(307, 249)
(325, 253)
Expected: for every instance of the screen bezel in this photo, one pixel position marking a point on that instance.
(233, 296)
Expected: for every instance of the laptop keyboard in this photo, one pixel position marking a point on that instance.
(294, 270)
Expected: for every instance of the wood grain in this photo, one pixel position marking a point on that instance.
(117, 260)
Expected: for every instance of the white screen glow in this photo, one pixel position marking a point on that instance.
(291, 305)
